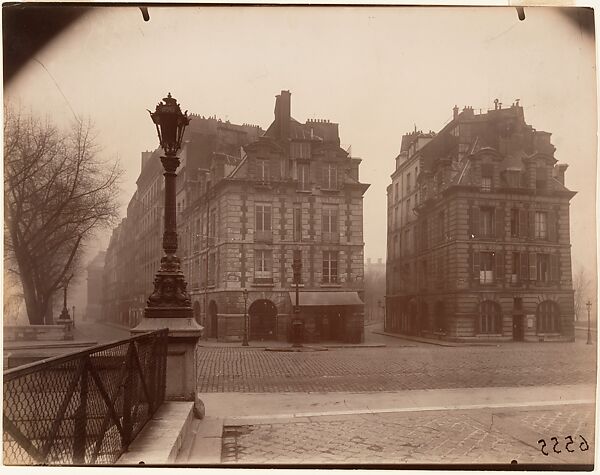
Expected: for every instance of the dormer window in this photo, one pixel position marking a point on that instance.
(540, 179)
(486, 183)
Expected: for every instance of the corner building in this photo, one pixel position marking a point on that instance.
(293, 192)
(478, 232)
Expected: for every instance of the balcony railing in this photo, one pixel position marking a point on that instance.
(84, 407)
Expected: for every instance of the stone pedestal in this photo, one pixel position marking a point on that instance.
(184, 334)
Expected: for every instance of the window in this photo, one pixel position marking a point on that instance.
(396, 195)
(213, 223)
(548, 317)
(298, 223)
(330, 231)
(490, 317)
(540, 179)
(514, 222)
(423, 280)
(263, 222)
(515, 267)
(486, 267)
(408, 209)
(406, 240)
(263, 170)
(212, 267)
(330, 176)
(300, 150)
(541, 225)
(303, 175)
(263, 266)
(543, 267)
(330, 264)
(487, 222)
(486, 183)
(408, 182)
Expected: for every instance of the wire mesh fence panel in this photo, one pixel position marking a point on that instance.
(84, 407)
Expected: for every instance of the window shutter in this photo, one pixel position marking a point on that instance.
(334, 221)
(532, 266)
(532, 224)
(474, 221)
(324, 221)
(470, 262)
(267, 218)
(500, 265)
(551, 226)
(523, 223)
(524, 266)
(476, 265)
(500, 224)
(554, 267)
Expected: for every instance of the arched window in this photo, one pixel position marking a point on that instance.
(490, 317)
(548, 317)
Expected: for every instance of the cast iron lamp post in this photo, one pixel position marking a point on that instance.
(170, 297)
(245, 341)
(64, 317)
(297, 322)
(589, 307)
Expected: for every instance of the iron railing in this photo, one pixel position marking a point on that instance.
(85, 407)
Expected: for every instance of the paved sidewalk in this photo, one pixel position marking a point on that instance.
(484, 425)
(439, 437)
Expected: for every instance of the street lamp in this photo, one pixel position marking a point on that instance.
(170, 297)
(245, 341)
(589, 307)
(297, 325)
(64, 317)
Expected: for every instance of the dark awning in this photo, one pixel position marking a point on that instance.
(314, 299)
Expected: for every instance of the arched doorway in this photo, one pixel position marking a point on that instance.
(263, 320)
(213, 319)
(197, 312)
(548, 317)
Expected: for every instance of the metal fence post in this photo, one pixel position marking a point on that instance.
(127, 398)
(80, 426)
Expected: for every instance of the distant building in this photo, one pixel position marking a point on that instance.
(374, 290)
(95, 270)
(478, 232)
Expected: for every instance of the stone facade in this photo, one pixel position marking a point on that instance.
(483, 250)
(294, 190)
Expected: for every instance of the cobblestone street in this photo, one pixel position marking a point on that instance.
(394, 368)
(466, 437)
(490, 404)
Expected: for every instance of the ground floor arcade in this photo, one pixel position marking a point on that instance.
(500, 316)
(268, 315)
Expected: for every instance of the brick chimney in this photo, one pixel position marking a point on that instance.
(455, 112)
(283, 107)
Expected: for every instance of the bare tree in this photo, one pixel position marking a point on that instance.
(57, 192)
(582, 286)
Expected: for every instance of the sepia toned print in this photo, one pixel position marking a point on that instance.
(300, 237)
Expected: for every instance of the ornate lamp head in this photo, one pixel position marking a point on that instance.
(170, 124)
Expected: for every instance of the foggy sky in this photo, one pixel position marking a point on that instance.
(378, 72)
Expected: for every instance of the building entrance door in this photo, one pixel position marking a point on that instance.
(263, 320)
(518, 330)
